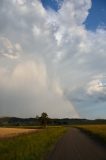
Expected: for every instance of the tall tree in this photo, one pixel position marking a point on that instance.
(44, 119)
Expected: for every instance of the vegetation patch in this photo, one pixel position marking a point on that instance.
(97, 132)
(34, 146)
(10, 132)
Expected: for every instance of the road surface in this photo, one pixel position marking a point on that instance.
(75, 145)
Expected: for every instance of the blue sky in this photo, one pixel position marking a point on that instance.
(53, 60)
(96, 17)
(52, 4)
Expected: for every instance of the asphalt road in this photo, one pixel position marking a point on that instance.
(75, 145)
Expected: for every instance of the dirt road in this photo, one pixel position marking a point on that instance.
(75, 145)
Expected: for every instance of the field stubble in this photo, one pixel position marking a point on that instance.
(10, 132)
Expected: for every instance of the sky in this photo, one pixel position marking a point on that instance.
(97, 16)
(52, 58)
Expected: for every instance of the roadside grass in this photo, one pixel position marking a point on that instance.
(96, 131)
(34, 146)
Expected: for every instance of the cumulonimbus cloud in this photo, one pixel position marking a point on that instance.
(48, 55)
(28, 86)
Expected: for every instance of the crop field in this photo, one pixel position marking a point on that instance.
(9, 132)
(34, 146)
(97, 130)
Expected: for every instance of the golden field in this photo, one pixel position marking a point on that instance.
(97, 130)
(34, 146)
(9, 132)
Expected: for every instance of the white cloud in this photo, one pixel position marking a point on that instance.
(94, 87)
(9, 50)
(36, 30)
(69, 55)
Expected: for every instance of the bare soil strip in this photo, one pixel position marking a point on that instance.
(10, 132)
(75, 145)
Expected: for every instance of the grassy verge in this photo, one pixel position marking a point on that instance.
(34, 146)
(97, 132)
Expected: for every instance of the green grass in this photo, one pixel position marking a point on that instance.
(97, 131)
(34, 146)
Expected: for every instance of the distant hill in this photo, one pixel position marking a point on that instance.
(8, 121)
(15, 121)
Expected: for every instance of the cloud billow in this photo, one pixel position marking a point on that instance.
(46, 56)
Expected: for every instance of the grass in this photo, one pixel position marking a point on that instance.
(34, 146)
(96, 131)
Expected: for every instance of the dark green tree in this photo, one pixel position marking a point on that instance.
(44, 119)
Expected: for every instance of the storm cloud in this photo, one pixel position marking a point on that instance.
(49, 61)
